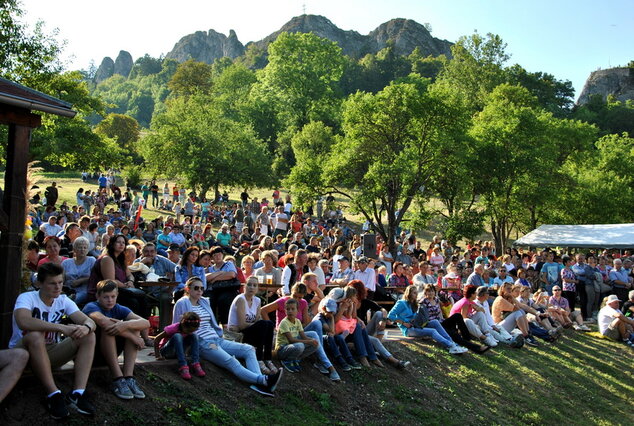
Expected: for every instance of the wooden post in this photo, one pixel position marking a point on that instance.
(14, 206)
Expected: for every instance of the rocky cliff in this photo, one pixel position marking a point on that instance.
(123, 63)
(404, 33)
(618, 82)
(206, 47)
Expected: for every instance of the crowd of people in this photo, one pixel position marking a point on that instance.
(332, 302)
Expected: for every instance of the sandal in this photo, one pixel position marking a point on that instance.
(378, 363)
(264, 369)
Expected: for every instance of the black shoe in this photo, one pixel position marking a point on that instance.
(272, 380)
(530, 340)
(56, 406)
(80, 403)
(482, 349)
(263, 389)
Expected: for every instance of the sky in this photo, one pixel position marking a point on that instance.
(566, 38)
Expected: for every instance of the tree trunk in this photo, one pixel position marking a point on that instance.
(216, 192)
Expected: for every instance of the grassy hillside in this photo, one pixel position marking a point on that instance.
(580, 379)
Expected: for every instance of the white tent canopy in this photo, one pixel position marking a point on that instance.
(618, 236)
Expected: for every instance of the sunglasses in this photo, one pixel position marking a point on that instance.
(556, 289)
(197, 287)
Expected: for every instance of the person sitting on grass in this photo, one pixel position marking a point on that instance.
(613, 324)
(174, 340)
(245, 318)
(498, 333)
(404, 312)
(118, 331)
(37, 327)
(292, 343)
(561, 311)
(215, 349)
(12, 363)
(334, 343)
(508, 315)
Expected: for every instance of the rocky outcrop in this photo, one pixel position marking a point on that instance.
(105, 70)
(405, 34)
(351, 42)
(618, 82)
(206, 47)
(123, 63)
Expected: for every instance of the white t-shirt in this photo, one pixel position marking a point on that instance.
(368, 277)
(605, 317)
(321, 278)
(279, 224)
(497, 281)
(50, 230)
(53, 314)
(250, 312)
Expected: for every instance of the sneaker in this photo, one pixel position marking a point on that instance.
(354, 364)
(584, 327)
(121, 389)
(289, 366)
(80, 403)
(490, 341)
(184, 372)
(530, 340)
(456, 350)
(334, 376)
(198, 370)
(577, 327)
(322, 369)
(590, 321)
(263, 390)
(517, 342)
(344, 366)
(56, 406)
(403, 365)
(272, 380)
(297, 366)
(134, 388)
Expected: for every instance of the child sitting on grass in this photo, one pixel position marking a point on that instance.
(173, 341)
(292, 343)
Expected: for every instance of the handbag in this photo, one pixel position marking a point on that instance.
(421, 318)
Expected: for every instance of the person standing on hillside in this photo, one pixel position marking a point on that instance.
(51, 194)
(244, 196)
(154, 189)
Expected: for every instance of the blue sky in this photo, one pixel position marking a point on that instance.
(566, 38)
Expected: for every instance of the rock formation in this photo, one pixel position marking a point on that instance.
(105, 70)
(123, 63)
(618, 82)
(206, 47)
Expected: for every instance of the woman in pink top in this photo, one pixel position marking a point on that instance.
(298, 291)
(52, 244)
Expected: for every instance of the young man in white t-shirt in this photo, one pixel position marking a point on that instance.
(37, 328)
(612, 322)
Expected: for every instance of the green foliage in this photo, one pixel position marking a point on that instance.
(193, 139)
(26, 56)
(146, 65)
(133, 175)
(610, 115)
(301, 78)
(465, 224)
(191, 77)
(122, 128)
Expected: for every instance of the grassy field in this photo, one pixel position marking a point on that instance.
(581, 379)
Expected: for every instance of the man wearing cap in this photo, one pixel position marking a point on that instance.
(344, 274)
(612, 322)
(51, 228)
(174, 253)
(366, 276)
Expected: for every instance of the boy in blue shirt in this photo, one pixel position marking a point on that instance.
(118, 330)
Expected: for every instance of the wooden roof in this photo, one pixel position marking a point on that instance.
(16, 95)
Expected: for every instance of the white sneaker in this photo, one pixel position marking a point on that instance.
(577, 327)
(490, 341)
(455, 350)
(584, 328)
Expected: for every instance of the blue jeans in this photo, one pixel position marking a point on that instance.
(362, 343)
(379, 348)
(338, 348)
(225, 355)
(434, 330)
(317, 328)
(176, 346)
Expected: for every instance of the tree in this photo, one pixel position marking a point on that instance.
(389, 151)
(302, 76)
(191, 77)
(193, 140)
(122, 129)
(26, 57)
(146, 65)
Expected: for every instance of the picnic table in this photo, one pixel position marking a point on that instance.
(164, 301)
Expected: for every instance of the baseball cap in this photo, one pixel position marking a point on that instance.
(174, 247)
(331, 305)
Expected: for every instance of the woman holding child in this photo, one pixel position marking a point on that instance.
(214, 348)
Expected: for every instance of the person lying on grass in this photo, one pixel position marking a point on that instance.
(118, 330)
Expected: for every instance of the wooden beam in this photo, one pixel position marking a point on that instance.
(19, 116)
(14, 205)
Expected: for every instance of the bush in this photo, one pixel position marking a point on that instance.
(133, 174)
